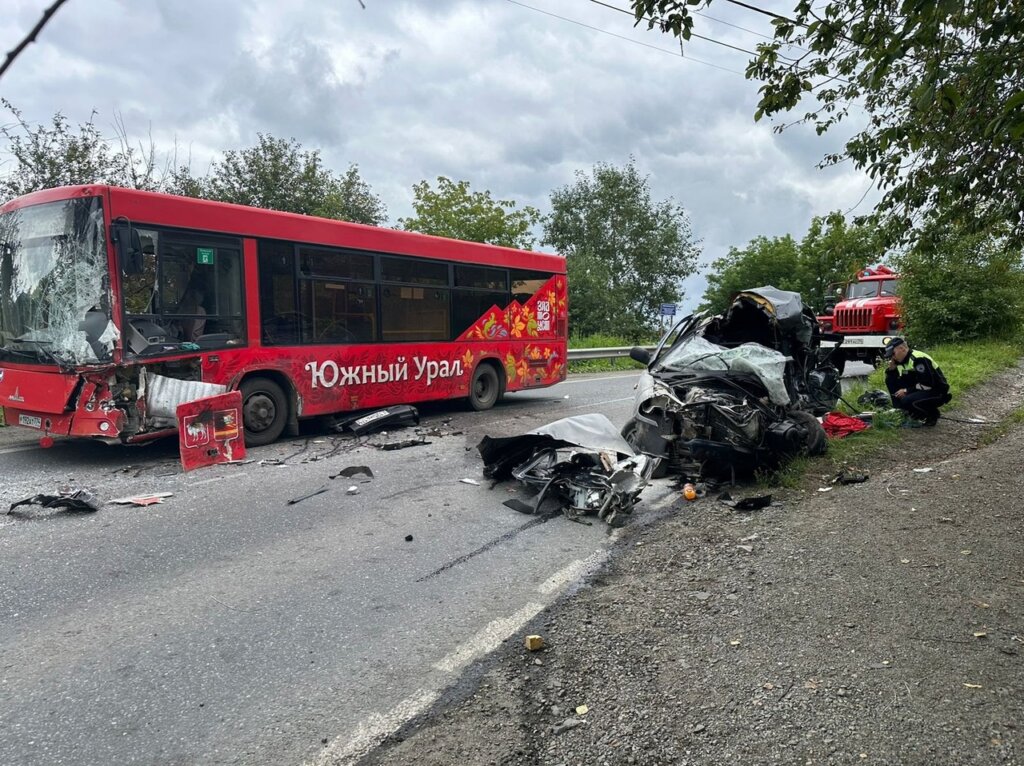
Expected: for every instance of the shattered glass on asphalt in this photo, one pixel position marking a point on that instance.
(54, 303)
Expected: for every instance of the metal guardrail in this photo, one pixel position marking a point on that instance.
(582, 354)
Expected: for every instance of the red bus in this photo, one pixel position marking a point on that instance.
(118, 305)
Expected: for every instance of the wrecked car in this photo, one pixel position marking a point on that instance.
(728, 394)
(581, 464)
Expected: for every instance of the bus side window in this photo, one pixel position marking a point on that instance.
(280, 320)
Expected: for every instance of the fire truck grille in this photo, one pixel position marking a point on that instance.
(853, 319)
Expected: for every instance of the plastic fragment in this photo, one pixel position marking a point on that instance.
(352, 471)
(295, 500)
(474, 482)
(143, 500)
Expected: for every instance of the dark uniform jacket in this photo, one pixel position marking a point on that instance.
(917, 372)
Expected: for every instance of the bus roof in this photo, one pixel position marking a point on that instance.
(155, 208)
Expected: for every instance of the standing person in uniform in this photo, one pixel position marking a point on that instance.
(915, 382)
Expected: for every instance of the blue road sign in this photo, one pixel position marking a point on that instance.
(668, 309)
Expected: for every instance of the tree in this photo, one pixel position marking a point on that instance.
(61, 155)
(763, 261)
(452, 210)
(831, 251)
(625, 254)
(941, 82)
(958, 286)
(278, 174)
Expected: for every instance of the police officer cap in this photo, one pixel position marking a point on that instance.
(891, 347)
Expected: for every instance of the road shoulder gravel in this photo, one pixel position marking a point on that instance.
(875, 623)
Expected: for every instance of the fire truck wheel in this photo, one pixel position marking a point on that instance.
(485, 388)
(264, 411)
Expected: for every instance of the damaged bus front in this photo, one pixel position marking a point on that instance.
(58, 339)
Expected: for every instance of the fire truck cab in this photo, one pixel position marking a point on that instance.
(865, 311)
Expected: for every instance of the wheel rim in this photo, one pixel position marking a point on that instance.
(482, 388)
(260, 412)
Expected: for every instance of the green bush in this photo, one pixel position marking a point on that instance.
(961, 287)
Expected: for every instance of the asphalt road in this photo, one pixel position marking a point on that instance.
(226, 626)
(229, 627)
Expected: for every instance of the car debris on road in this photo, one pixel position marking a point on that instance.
(77, 501)
(581, 463)
(155, 498)
(398, 416)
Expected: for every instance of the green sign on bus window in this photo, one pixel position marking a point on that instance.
(204, 255)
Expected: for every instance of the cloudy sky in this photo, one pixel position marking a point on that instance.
(514, 97)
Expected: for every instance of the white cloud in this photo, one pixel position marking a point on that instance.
(511, 99)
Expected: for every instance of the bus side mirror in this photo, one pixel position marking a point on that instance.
(129, 249)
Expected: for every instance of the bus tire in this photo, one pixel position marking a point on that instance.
(485, 389)
(264, 411)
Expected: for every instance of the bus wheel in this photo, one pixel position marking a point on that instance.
(264, 411)
(485, 388)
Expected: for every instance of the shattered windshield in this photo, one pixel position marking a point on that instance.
(696, 353)
(54, 307)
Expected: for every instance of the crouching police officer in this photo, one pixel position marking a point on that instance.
(915, 382)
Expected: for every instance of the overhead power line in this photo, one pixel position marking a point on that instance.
(678, 54)
(794, 62)
(692, 34)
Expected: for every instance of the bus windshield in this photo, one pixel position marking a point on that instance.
(54, 307)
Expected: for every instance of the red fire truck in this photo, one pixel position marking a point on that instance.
(116, 306)
(865, 311)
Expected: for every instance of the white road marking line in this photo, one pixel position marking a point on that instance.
(625, 374)
(25, 448)
(574, 570)
(216, 478)
(670, 498)
(488, 639)
(591, 405)
(347, 749)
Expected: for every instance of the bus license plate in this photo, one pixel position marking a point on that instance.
(30, 420)
(854, 341)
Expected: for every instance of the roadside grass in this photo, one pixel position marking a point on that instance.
(965, 365)
(603, 365)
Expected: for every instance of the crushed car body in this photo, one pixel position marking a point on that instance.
(731, 393)
(581, 463)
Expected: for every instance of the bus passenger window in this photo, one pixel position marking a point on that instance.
(414, 313)
(526, 283)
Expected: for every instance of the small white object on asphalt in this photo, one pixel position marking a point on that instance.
(825, 489)
(923, 470)
(474, 482)
(353, 490)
